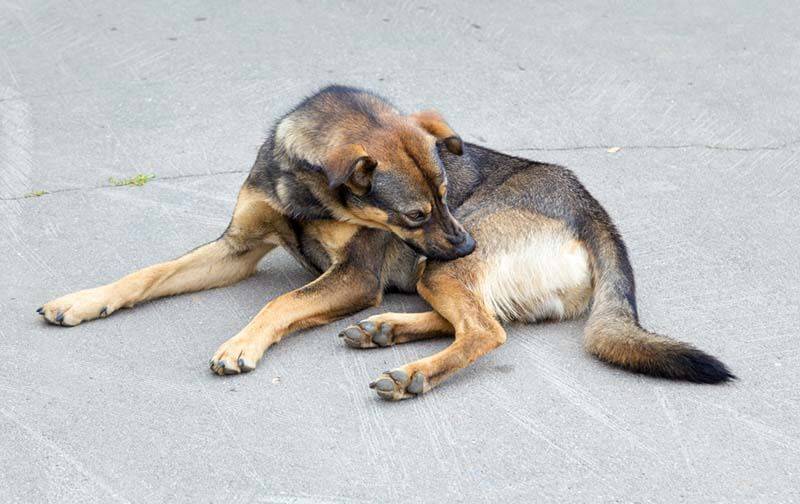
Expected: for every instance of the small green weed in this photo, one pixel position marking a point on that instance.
(138, 180)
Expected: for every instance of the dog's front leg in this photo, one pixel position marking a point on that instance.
(234, 256)
(343, 289)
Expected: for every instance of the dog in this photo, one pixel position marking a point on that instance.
(372, 200)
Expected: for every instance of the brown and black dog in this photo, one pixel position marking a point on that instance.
(372, 200)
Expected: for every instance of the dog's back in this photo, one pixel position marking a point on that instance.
(550, 248)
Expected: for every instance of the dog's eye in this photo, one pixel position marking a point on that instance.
(415, 216)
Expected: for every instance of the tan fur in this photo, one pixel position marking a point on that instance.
(254, 219)
(370, 216)
(332, 235)
(625, 344)
(466, 294)
(403, 143)
(476, 330)
(433, 122)
(528, 268)
(252, 233)
(544, 273)
(525, 267)
(407, 327)
(331, 296)
(349, 164)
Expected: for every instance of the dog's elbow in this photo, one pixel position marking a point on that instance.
(371, 292)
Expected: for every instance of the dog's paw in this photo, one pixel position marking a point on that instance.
(368, 334)
(72, 309)
(239, 354)
(397, 384)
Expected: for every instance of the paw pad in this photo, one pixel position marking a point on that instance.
(394, 385)
(246, 365)
(367, 334)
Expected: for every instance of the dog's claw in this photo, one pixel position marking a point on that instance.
(235, 356)
(80, 306)
(223, 367)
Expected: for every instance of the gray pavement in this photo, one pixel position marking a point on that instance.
(703, 99)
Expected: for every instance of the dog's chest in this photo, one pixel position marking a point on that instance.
(324, 242)
(321, 243)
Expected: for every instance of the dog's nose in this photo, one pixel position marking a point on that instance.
(466, 247)
(457, 239)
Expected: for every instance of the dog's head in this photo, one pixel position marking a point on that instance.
(393, 178)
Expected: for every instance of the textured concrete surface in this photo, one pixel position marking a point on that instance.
(701, 97)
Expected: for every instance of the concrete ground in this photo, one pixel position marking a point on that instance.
(702, 100)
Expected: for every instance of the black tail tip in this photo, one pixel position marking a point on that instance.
(697, 366)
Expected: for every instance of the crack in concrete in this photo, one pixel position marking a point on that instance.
(721, 147)
(113, 186)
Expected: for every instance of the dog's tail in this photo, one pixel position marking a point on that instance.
(613, 333)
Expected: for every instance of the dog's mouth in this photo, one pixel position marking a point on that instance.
(463, 247)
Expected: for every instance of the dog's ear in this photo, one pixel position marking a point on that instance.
(433, 122)
(349, 165)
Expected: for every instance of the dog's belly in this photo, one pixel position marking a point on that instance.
(544, 275)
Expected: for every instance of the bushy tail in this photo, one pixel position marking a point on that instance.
(613, 333)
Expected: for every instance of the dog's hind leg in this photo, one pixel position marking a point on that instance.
(230, 258)
(447, 287)
(389, 329)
